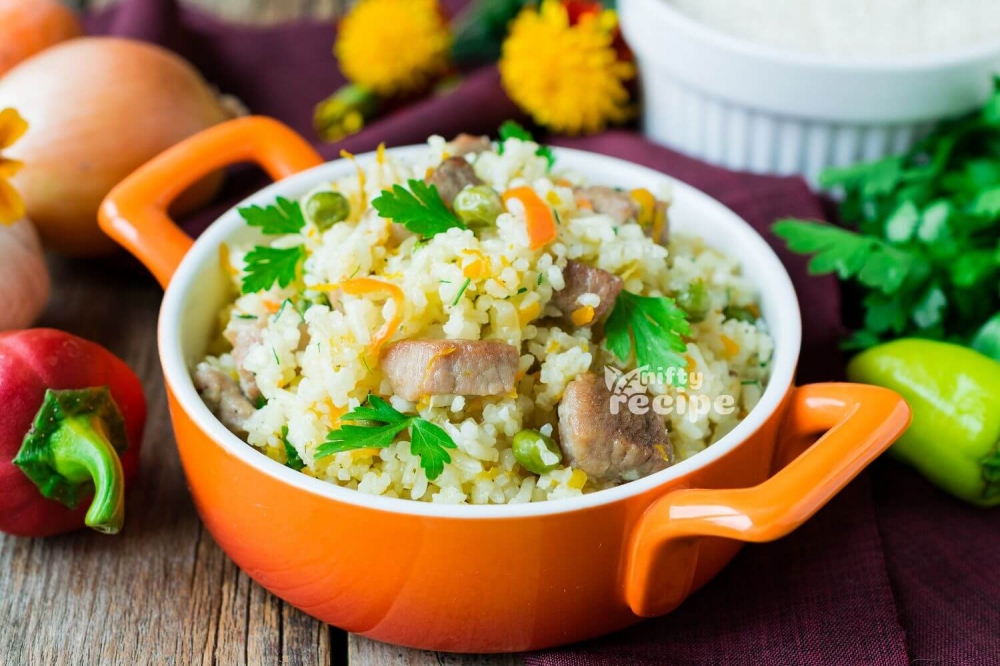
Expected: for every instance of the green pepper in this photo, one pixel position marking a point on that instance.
(955, 395)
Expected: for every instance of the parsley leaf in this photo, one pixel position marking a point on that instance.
(653, 325)
(283, 218)
(512, 130)
(267, 265)
(430, 442)
(381, 424)
(419, 209)
(377, 410)
(874, 262)
(294, 461)
(987, 339)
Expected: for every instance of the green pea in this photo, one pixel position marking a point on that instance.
(740, 314)
(536, 452)
(695, 301)
(478, 206)
(325, 209)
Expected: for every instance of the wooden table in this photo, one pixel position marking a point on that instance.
(162, 591)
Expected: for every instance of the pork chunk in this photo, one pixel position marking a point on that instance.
(609, 447)
(460, 367)
(609, 201)
(470, 144)
(583, 279)
(223, 396)
(451, 177)
(243, 334)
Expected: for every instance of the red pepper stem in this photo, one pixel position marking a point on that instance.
(82, 452)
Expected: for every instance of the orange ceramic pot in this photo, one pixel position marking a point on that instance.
(487, 578)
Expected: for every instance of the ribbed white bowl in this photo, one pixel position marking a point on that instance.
(756, 108)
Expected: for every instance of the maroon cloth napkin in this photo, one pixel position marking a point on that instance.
(891, 570)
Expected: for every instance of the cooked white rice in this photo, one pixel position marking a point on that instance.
(307, 390)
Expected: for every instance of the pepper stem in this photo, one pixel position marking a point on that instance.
(72, 450)
(80, 453)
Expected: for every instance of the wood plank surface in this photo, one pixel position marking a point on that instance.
(162, 591)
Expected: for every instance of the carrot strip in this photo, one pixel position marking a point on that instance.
(364, 285)
(541, 222)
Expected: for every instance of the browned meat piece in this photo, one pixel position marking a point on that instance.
(609, 201)
(461, 367)
(242, 335)
(451, 177)
(609, 447)
(223, 396)
(470, 144)
(583, 279)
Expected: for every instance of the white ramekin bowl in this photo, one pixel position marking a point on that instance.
(750, 107)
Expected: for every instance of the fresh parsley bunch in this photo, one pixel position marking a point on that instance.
(923, 239)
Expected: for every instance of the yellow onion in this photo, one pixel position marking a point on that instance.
(30, 26)
(98, 108)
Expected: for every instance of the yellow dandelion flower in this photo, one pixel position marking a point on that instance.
(394, 46)
(12, 128)
(568, 76)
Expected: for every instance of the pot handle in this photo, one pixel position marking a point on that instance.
(135, 212)
(859, 422)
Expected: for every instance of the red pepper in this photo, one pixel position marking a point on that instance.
(71, 421)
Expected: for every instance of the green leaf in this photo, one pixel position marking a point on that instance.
(934, 222)
(378, 424)
(862, 339)
(987, 338)
(283, 218)
(848, 254)
(419, 209)
(971, 268)
(480, 28)
(653, 326)
(512, 130)
(884, 313)
(991, 110)
(886, 269)
(873, 178)
(377, 410)
(929, 311)
(352, 437)
(293, 459)
(430, 442)
(902, 224)
(266, 266)
(987, 203)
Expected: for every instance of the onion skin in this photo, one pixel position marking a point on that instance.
(99, 108)
(28, 27)
(24, 277)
